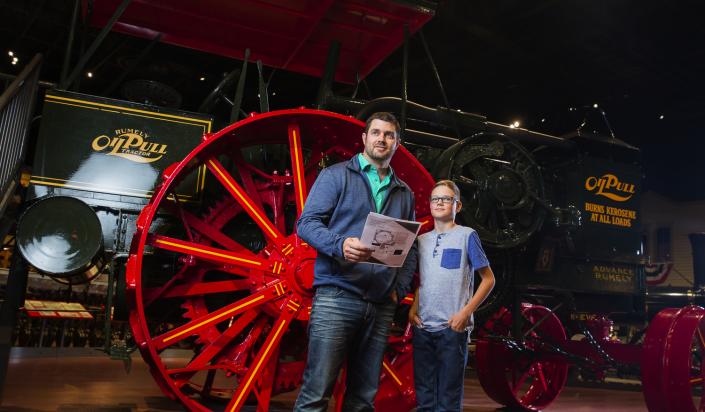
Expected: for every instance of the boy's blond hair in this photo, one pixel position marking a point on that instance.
(450, 185)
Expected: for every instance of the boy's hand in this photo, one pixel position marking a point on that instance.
(355, 251)
(459, 321)
(414, 318)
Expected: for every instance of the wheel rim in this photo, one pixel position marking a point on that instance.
(682, 360)
(523, 378)
(239, 282)
(652, 359)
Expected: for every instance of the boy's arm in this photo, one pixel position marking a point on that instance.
(459, 321)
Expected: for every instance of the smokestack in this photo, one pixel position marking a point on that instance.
(697, 243)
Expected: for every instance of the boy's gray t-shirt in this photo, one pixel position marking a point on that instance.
(447, 262)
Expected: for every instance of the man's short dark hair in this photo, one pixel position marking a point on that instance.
(385, 117)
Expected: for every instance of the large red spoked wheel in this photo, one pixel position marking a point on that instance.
(672, 371)
(522, 374)
(227, 277)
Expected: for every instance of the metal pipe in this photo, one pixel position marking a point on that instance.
(69, 43)
(240, 90)
(94, 46)
(404, 79)
(468, 123)
(528, 135)
(324, 90)
(428, 139)
(263, 96)
(434, 69)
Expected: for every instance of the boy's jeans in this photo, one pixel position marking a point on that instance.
(439, 369)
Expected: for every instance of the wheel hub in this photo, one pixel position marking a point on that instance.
(302, 278)
(506, 187)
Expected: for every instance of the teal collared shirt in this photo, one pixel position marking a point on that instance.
(379, 188)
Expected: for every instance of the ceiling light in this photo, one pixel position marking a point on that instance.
(10, 53)
(89, 74)
(594, 105)
(660, 117)
(515, 124)
(14, 62)
(202, 79)
(543, 120)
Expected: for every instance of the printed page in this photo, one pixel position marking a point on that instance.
(390, 238)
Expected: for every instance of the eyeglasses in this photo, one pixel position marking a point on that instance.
(442, 199)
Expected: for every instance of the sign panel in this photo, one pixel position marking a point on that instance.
(610, 195)
(110, 146)
(607, 194)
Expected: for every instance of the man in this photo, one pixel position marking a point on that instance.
(354, 301)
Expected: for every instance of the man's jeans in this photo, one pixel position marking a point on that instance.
(343, 325)
(439, 369)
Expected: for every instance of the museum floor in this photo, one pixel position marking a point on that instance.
(84, 380)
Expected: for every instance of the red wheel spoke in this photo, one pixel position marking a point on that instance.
(190, 328)
(541, 376)
(245, 170)
(205, 288)
(263, 391)
(389, 369)
(268, 348)
(701, 339)
(150, 295)
(223, 340)
(297, 164)
(517, 383)
(256, 213)
(274, 197)
(209, 253)
(214, 234)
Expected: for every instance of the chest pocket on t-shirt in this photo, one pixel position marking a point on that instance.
(451, 258)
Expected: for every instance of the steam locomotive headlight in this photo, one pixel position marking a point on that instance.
(62, 237)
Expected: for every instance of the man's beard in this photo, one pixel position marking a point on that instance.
(373, 156)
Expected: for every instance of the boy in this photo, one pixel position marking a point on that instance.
(444, 302)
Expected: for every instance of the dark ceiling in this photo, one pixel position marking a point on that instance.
(531, 61)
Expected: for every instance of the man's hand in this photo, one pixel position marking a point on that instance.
(355, 251)
(459, 321)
